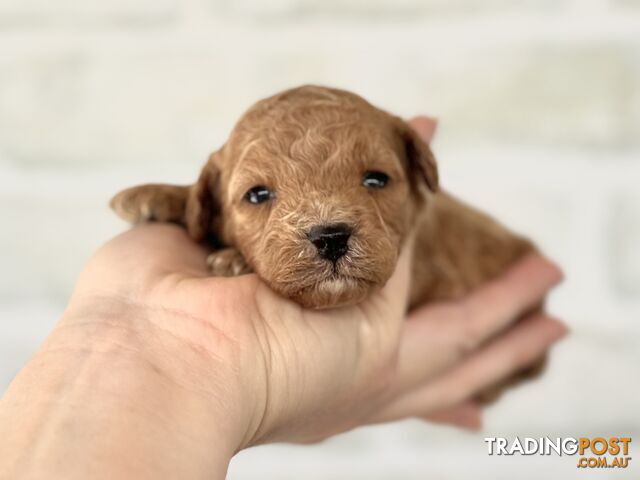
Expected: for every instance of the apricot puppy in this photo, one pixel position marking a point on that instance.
(315, 190)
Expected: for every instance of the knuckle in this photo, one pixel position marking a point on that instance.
(381, 379)
(467, 336)
(465, 345)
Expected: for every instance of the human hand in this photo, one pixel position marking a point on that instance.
(197, 363)
(358, 365)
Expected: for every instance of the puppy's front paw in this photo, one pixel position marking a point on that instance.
(227, 262)
(152, 202)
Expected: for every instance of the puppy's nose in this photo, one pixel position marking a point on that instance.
(330, 240)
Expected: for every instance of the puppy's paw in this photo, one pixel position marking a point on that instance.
(227, 262)
(161, 203)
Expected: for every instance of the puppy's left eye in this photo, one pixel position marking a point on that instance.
(375, 179)
(258, 194)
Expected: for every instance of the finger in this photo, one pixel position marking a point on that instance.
(506, 355)
(438, 335)
(467, 415)
(431, 342)
(144, 255)
(500, 302)
(393, 299)
(517, 349)
(424, 126)
(493, 307)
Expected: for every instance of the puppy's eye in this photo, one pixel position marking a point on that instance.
(258, 194)
(374, 179)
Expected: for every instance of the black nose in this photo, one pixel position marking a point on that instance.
(330, 240)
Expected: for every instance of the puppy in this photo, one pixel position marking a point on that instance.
(315, 191)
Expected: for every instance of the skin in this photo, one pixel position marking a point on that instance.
(157, 370)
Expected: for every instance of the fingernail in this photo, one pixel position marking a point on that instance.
(474, 423)
(425, 126)
(560, 329)
(555, 273)
(552, 272)
(563, 331)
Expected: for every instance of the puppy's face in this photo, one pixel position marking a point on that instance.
(317, 189)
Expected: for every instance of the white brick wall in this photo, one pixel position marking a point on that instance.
(539, 103)
(42, 13)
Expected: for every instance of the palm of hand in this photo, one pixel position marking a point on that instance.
(334, 360)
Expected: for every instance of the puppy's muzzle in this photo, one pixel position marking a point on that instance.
(331, 241)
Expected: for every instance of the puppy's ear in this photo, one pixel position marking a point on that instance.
(202, 205)
(421, 162)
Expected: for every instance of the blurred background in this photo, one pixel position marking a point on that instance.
(539, 108)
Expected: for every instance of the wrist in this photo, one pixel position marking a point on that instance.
(117, 394)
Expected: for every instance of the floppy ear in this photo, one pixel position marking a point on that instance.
(421, 161)
(202, 208)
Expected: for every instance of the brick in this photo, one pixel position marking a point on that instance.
(16, 13)
(573, 97)
(372, 8)
(57, 220)
(41, 102)
(528, 94)
(69, 108)
(51, 238)
(624, 244)
(174, 102)
(626, 4)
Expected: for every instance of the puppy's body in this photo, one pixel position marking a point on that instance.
(315, 191)
(458, 248)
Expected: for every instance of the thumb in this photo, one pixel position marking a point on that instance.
(424, 126)
(396, 291)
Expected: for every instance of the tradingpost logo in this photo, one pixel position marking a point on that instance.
(596, 452)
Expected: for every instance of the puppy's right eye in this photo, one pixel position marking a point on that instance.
(258, 194)
(375, 179)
